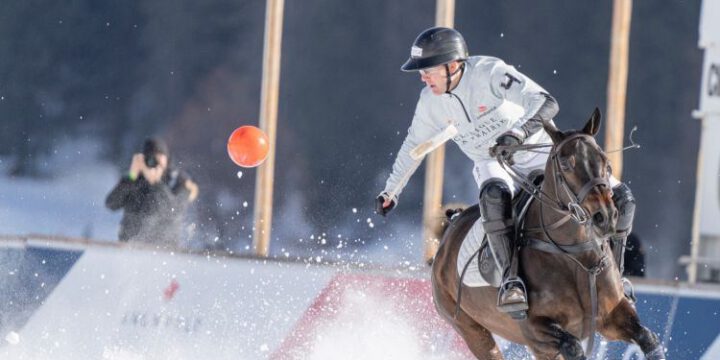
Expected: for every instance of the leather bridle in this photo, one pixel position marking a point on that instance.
(573, 210)
(579, 213)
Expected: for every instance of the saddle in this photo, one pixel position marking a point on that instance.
(476, 264)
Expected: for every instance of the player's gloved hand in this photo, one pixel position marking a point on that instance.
(383, 204)
(506, 139)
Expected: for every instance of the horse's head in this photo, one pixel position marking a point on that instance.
(579, 171)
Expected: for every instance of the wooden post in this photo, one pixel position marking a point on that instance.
(444, 16)
(268, 122)
(617, 83)
(445, 13)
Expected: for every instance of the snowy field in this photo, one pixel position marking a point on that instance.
(127, 303)
(88, 301)
(70, 201)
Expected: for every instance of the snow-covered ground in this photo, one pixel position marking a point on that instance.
(260, 301)
(128, 303)
(70, 202)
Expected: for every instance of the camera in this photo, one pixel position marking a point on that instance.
(151, 161)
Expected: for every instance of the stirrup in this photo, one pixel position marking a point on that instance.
(628, 290)
(517, 311)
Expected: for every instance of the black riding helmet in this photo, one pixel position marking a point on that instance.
(436, 46)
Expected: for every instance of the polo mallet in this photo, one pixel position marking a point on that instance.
(419, 152)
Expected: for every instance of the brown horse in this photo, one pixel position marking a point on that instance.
(573, 285)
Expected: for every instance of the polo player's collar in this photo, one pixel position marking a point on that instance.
(463, 86)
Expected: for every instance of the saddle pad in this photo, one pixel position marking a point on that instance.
(471, 244)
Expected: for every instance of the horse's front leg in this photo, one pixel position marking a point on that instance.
(623, 324)
(477, 338)
(547, 339)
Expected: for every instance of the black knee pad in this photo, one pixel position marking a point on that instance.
(625, 204)
(495, 200)
(495, 191)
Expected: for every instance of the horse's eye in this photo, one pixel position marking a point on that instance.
(564, 164)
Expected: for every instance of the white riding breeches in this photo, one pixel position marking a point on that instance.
(491, 169)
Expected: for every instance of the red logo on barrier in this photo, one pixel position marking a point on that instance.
(170, 291)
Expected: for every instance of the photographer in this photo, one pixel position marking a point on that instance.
(154, 197)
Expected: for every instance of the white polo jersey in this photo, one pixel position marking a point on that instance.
(491, 98)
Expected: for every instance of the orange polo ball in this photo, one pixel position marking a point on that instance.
(248, 146)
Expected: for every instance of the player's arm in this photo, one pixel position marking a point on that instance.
(121, 193)
(421, 129)
(128, 185)
(509, 84)
(185, 188)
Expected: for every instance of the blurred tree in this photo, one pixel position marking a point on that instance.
(68, 66)
(119, 71)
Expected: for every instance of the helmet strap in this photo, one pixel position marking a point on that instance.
(448, 79)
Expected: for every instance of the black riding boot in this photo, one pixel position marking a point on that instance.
(617, 243)
(496, 211)
(625, 204)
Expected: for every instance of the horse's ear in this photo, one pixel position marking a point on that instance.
(550, 129)
(593, 125)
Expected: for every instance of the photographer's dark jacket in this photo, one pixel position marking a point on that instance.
(152, 213)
